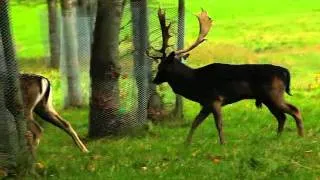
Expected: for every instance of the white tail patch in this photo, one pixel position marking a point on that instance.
(45, 84)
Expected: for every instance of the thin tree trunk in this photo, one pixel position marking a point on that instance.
(54, 34)
(178, 110)
(12, 96)
(92, 12)
(141, 64)
(83, 30)
(74, 96)
(8, 131)
(105, 70)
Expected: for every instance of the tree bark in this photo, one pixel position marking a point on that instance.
(83, 30)
(178, 110)
(8, 131)
(11, 100)
(74, 95)
(105, 70)
(92, 12)
(142, 67)
(54, 34)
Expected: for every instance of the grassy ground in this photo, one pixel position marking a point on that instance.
(285, 33)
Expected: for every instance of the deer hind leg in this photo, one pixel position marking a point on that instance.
(216, 110)
(34, 127)
(203, 114)
(34, 131)
(50, 115)
(278, 100)
(279, 115)
(295, 113)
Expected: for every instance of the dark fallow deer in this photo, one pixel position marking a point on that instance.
(216, 85)
(37, 98)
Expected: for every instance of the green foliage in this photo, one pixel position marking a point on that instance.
(286, 33)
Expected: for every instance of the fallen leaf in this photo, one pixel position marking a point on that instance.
(215, 159)
(39, 165)
(3, 173)
(194, 154)
(91, 167)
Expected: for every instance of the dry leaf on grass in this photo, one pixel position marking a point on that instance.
(215, 159)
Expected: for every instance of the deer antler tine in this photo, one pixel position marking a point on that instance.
(205, 23)
(164, 30)
(165, 35)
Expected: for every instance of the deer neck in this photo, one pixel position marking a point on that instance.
(181, 78)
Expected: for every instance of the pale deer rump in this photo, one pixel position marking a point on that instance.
(37, 98)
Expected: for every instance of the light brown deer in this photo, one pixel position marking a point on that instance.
(37, 98)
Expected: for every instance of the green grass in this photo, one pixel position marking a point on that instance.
(284, 32)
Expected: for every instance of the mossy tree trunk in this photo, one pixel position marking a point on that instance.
(178, 110)
(105, 70)
(74, 95)
(142, 65)
(83, 30)
(54, 34)
(13, 145)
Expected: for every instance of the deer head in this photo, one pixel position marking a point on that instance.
(170, 63)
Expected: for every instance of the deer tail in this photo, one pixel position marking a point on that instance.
(286, 79)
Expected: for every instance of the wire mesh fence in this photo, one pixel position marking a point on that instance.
(133, 105)
(139, 29)
(12, 124)
(135, 92)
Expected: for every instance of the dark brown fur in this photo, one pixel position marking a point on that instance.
(217, 85)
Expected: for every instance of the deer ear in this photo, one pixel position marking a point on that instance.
(185, 57)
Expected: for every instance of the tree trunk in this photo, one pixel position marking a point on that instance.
(83, 30)
(141, 63)
(178, 110)
(11, 100)
(74, 95)
(105, 70)
(54, 34)
(8, 131)
(92, 12)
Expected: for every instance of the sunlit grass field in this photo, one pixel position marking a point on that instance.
(283, 32)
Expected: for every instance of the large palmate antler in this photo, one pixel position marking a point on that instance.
(165, 36)
(205, 23)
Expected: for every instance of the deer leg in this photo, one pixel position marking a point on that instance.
(216, 110)
(203, 114)
(276, 96)
(54, 118)
(33, 133)
(279, 115)
(291, 110)
(29, 136)
(33, 127)
(295, 113)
